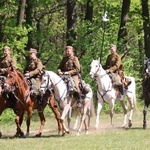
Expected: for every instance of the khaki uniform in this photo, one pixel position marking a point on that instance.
(7, 62)
(34, 67)
(113, 64)
(72, 66)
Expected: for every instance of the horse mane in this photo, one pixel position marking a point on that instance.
(22, 77)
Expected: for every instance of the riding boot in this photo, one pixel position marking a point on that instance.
(120, 87)
(40, 107)
(79, 101)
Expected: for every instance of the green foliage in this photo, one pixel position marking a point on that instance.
(48, 34)
(8, 117)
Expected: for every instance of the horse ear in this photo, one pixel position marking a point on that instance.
(99, 59)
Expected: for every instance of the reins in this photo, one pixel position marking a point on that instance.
(18, 87)
(101, 76)
(50, 80)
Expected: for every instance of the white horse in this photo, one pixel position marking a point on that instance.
(107, 93)
(86, 112)
(63, 99)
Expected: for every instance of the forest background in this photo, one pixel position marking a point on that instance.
(90, 26)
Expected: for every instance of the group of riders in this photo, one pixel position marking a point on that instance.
(69, 66)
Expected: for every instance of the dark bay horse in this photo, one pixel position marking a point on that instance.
(18, 85)
(146, 92)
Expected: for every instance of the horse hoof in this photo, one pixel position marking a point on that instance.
(38, 135)
(144, 126)
(21, 134)
(123, 126)
(130, 124)
(0, 134)
(27, 134)
(67, 132)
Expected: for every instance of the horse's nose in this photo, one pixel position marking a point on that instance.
(91, 74)
(42, 91)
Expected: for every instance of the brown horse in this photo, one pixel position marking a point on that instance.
(7, 100)
(18, 85)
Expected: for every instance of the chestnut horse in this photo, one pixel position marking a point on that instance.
(7, 100)
(18, 85)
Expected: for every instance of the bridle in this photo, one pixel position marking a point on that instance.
(98, 69)
(50, 80)
(11, 80)
(101, 76)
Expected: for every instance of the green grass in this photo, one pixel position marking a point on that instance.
(104, 138)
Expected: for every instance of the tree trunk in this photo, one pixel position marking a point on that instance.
(146, 27)
(21, 11)
(29, 20)
(2, 23)
(124, 18)
(71, 21)
(89, 11)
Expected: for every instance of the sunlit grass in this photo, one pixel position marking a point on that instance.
(115, 138)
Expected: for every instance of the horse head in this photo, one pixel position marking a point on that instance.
(10, 79)
(15, 80)
(45, 83)
(96, 67)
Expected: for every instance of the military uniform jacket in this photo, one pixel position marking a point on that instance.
(71, 65)
(33, 67)
(6, 62)
(113, 62)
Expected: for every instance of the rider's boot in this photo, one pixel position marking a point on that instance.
(120, 87)
(40, 107)
(79, 101)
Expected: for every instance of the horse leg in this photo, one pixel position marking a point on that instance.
(83, 118)
(18, 120)
(29, 114)
(111, 113)
(99, 107)
(77, 112)
(54, 108)
(64, 113)
(42, 119)
(2, 108)
(144, 117)
(130, 100)
(125, 112)
(69, 117)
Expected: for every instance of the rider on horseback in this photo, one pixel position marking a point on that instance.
(114, 67)
(5, 62)
(32, 70)
(70, 65)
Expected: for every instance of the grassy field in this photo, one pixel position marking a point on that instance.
(104, 138)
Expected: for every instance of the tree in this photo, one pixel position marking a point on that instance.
(124, 18)
(21, 10)
(146, 27)
(71, 21)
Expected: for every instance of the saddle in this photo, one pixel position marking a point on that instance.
(68, 80)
